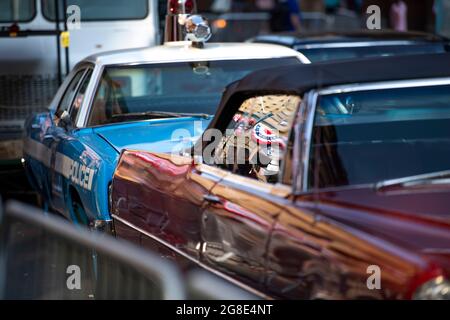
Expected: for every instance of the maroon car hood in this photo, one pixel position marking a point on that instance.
(417, 220)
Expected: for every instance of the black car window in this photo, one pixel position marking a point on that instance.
(255, 142)
(371, 136)
(69, 94)
(79, 98)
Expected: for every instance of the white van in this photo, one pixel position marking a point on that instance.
(28, 65)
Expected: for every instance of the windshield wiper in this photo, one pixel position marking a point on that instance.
(428, 179)
(161, 114)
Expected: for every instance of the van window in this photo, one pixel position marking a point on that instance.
(17, 10)
(100, 10)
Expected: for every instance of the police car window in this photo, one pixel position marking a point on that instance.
(100, 10)
(70, 93)
(133, 93)
(79, 98)
(255, 142)
(17, 10)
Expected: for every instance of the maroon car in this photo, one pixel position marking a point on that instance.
(325, 181)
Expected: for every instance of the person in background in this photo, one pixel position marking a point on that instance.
(265, 5)
(332, 6)
(399, 16)
(285, 16)
(438, 10)
(221, 6)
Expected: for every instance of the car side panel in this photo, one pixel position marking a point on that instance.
(314, 257)
(162, 197)
(59, 162)
(85, 163)
(236, 229)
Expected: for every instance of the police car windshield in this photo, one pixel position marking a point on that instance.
(170, 88)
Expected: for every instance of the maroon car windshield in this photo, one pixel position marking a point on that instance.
(370, 136)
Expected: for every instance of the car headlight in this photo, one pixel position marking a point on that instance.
(436, 289)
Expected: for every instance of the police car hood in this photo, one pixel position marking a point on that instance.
(162, 135)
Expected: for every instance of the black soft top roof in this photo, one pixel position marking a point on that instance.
(298, 78)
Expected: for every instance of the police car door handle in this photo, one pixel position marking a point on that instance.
(212, 199)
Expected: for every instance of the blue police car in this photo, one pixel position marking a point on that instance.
(159, 99)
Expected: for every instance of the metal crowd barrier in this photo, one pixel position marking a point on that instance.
(43, 256)
(47, 258)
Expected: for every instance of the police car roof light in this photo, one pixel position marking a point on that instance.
(181, 6)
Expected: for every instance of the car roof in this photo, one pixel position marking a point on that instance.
(184, 51)
(302, 39)
(298, 79)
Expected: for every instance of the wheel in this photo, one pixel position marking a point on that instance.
(79, 214)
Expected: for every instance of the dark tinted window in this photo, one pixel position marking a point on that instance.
(326, 54)
(99, 10)
(17, 10)
(367, 137)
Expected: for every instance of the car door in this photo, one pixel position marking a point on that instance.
(62, 136)
(244, 206)
(184, 207)
(296, 267)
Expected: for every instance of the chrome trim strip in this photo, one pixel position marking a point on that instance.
(412, 179)
(397, 84)
(307, 132)
(204, 266)
(361, 44)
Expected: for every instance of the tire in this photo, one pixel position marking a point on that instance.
(79, 214)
